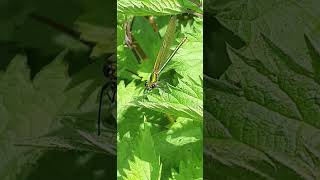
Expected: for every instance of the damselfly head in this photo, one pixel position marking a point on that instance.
(150, 85)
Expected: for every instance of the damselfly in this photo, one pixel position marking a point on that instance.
(109, 68)
(109, 71)
(164, 55)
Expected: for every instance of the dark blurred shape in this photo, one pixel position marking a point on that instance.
(216, 38)
(51, 59)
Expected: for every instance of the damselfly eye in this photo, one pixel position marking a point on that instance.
(146, 83)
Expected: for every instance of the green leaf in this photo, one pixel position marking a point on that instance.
(154, 8)
(181, 142)
(71, 142)
(188, 61)
(126, 94)
(284, 22)
(28, 109)
(103, 37)
(275, 118)
(174, 110)
(235, 154)
(146, 163)
(185, 100)
(189, 169)
(91, 79)
(266, 102)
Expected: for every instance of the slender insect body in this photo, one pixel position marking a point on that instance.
(109, 71)
(164, 55)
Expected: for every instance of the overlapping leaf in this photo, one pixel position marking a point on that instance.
(144, 162)
(277, 114)
(155, 8)
(173, 111)
(185, 100)
(284, 22)
(28, 108)
(266, 103)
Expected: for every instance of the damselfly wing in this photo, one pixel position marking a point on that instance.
(165, 54)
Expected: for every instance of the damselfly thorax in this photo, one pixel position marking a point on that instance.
(153, 82)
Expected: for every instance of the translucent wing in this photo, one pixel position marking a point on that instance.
(165, 48)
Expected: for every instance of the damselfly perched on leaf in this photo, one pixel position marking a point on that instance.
(164, 55)
(109, 71)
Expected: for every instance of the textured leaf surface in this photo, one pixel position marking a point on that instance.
(265, 106)
(283, 21)
(28, 108)
(145, 163)
(276, 114)
(185, 100)
(173, 110)
(154, 8)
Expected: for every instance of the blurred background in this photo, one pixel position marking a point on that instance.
(48, 49)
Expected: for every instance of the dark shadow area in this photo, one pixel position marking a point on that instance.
(52, 55)
(68, 165)
(261, 89)
(216, 38)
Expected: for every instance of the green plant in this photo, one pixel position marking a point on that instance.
(50, 73)
(159, 131)
(262, 115)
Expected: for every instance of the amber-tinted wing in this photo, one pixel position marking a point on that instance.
(163, 54)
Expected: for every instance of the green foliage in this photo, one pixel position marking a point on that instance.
(52, 104)
(184, 100)
(159, 132)
(155, 8)
(145, 163)
(51, 111)
(25, 103)
(263, 111)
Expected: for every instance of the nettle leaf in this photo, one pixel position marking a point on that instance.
(184, 100)
(184, 132)
(145, 163)
(189, 169)
(126, 94)
(173, 111)
(125, 148)
(80, 131)
(32, 111)
(91, 80)
(28, 109)
(234, 154)
(188, 61)
(96, 25)
(128, 117)
(284, 22)
(103, 37)
(126, 63)
(78, 141)
(78, 134)
(217, 5)
(181, 142)
(313, 49)
(276, 116)
(155, 8)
